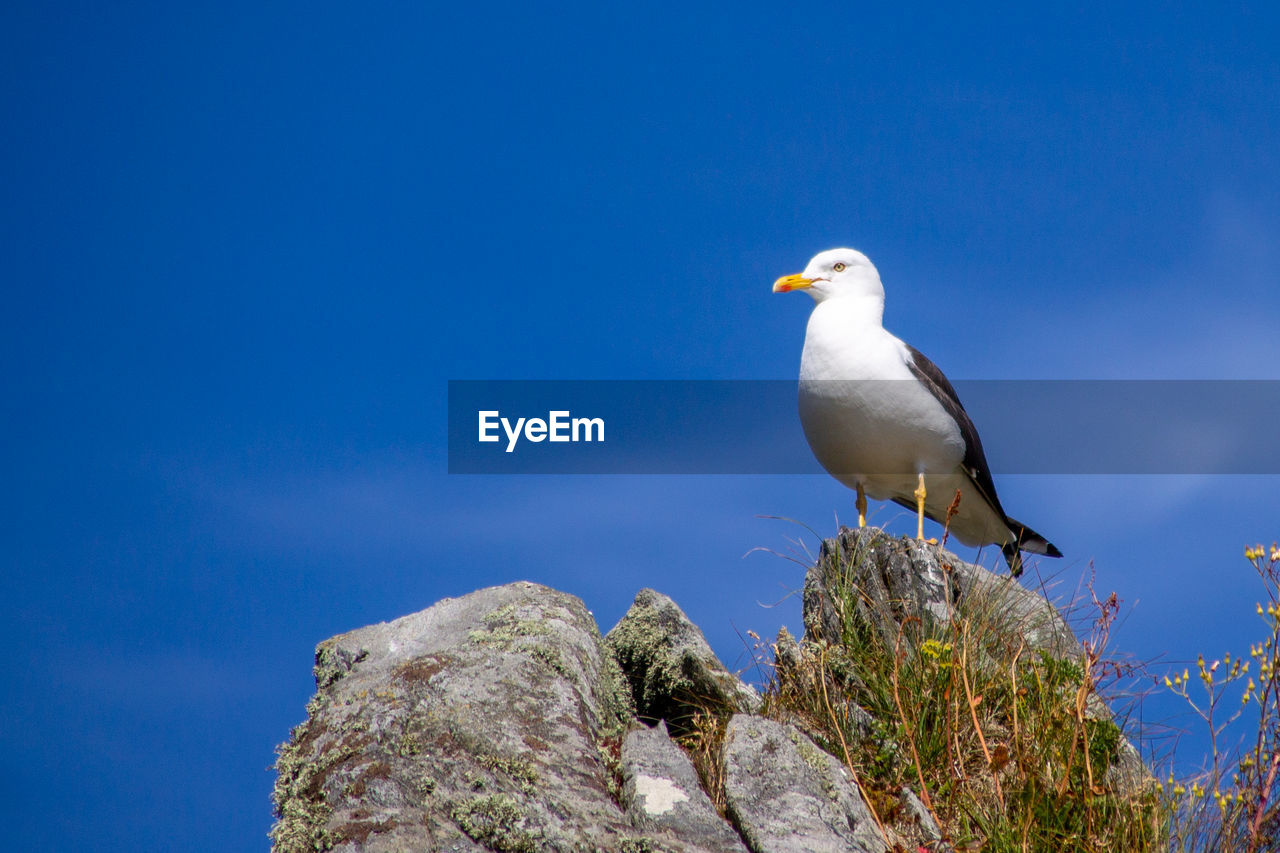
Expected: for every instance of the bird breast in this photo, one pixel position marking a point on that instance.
(866, 417)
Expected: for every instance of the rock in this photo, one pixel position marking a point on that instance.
(503, 721)
(672, 671)
(664, 795)
(901, 579)
(907, 581)
(491, 721)
(919, 816)
(788, 796)
(1129, 774)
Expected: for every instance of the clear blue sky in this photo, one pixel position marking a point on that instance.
(246, 245)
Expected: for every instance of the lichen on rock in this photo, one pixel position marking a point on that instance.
(503, 721)
(672, 672)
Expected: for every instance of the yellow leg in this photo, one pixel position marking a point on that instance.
(861, 503)
(920, 496)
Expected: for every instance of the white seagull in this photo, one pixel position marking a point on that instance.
(883, 419)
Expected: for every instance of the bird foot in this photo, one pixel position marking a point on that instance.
(921, 494)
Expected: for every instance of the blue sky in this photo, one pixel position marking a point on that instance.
(247, 246)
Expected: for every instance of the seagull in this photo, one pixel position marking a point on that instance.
(883, 419)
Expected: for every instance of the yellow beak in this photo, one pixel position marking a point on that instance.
(791, 282)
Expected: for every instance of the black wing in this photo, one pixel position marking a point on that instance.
(975, 460)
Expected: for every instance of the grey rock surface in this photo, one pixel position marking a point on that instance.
(919, 815)
(483, 722)
(664, 796)
(671, 669)
(903, 578)
(788, 796)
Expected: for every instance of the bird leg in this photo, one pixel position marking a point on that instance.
(861, 504)
(920, 496)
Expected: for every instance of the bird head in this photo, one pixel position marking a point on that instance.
(833, 274)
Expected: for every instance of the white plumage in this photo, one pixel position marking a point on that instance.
(883, 419)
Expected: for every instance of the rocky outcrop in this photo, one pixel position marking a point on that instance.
(671, 669)
(902, 579)
(504, 721)
(491, 721)
(813, 805)
(903, 582)
(662, 794)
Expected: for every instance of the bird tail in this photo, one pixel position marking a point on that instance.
(1028, 540)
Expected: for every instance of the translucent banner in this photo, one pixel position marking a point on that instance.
(752, 427)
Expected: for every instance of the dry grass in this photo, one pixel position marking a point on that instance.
(704, 744)
(1009, 747)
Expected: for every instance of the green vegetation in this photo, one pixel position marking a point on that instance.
(1008, 742)
(1008, 746)
(1235, 803)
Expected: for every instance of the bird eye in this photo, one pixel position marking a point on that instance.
(838, 267)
